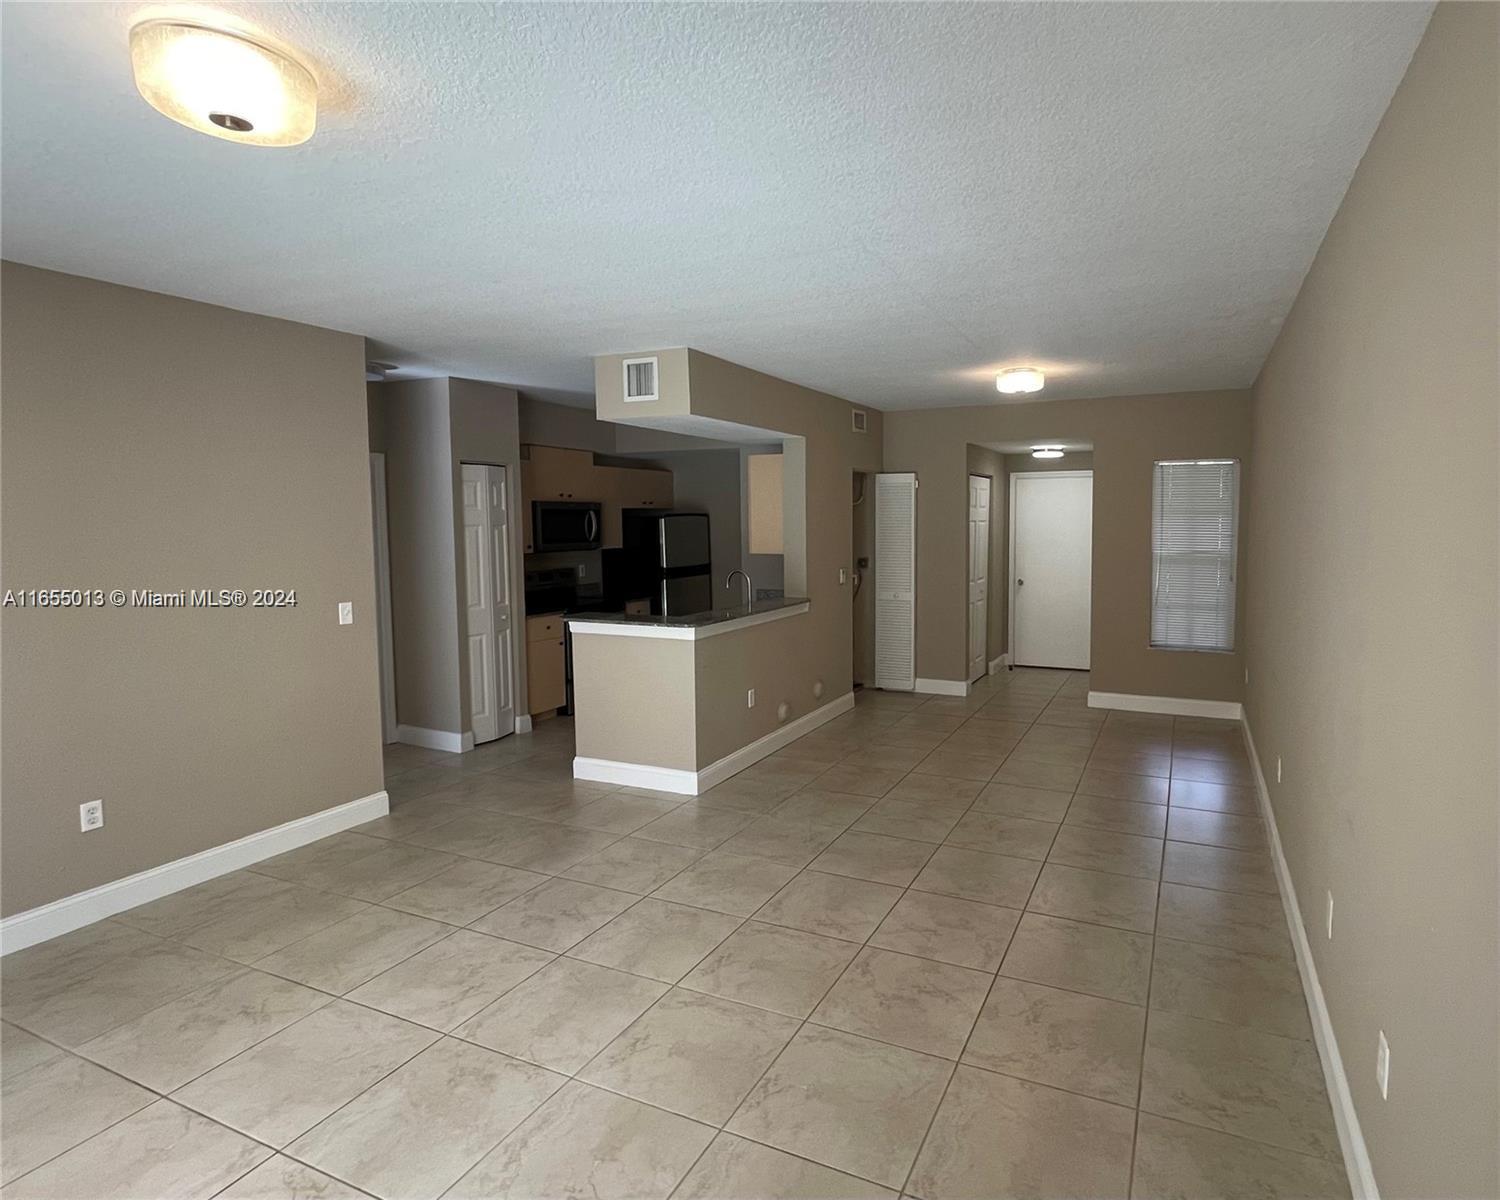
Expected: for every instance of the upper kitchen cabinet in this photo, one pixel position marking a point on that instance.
(558, 474)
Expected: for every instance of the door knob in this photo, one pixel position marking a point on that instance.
(1020, 583)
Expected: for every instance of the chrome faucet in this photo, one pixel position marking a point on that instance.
(749, 588)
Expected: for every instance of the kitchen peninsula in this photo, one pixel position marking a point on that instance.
(678, 704)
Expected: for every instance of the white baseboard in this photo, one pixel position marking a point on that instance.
(1226, 710)
(523, 723)
(694, 783)
(435, 739)
(998, 664)
(943, 687)
(641, 775)
(84, 908)
(1345, 1118)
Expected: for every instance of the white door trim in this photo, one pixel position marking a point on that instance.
(1010, 583)
(385, 632)
(84, 908)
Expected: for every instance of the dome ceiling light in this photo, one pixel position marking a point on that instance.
(223, 84)
(1046, 452)
(1020, 381)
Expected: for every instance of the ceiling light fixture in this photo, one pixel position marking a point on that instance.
(223, 84)
(1046, 452)
(1020, 381)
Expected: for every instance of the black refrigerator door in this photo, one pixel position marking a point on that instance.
(681, 595)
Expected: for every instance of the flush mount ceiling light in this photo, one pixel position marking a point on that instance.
(1019, 381)
(223, 84)
(1046, 452)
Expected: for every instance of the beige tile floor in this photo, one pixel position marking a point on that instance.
(998, 946)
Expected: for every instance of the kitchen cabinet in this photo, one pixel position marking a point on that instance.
(558, 474)
(553, 473)
(546, 672)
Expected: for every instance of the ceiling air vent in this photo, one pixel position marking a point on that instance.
(861, 424)
(640, 379)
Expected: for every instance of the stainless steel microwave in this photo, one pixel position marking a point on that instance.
(564, 525)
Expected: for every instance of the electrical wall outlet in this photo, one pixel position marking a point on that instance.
(1247, 675)
(1278, 768)
(91, 815)
(346, 612)
(843, 575)
(1383, 1065)
(1329, 923)
(750, 698)
(583, 571)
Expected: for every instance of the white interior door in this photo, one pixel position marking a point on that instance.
(487, 600)
(979, 575)
(1051, 544)
(383, 631)
(896, 581)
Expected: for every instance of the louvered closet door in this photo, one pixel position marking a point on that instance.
(895, 581)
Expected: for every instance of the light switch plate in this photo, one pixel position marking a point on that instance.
(346, 612)
(750, 698)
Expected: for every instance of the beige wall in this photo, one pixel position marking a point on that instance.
(1128, 434)
(819, 646)
(635, 700)
(152, 442)
(419, 501)
(431, 428)
(1373, 613)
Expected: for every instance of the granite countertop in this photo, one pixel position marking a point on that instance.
(715, 616)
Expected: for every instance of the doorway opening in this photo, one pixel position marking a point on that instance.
(1051, 570)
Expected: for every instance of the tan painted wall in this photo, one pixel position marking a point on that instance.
(153, 442)
(760, 657)
(419, 500)
(634, 700)
(1373, 614)
(1128, 434)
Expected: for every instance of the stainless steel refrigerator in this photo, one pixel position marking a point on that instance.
(667, 556)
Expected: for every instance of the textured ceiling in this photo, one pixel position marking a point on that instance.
(884, 201)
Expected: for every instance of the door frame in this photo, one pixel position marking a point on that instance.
(989, 576)
(1010, 565)
(384, 629)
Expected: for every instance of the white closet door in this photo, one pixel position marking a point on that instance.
(896, 581)
(488, 605)
(479, 604)
(979, 575)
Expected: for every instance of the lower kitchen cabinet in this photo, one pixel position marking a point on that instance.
(546, 672)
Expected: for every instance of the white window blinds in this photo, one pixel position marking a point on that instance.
(1194, 530)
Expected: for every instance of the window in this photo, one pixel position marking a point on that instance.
(1194, 535)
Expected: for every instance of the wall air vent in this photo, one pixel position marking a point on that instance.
(861, 421)
(640, 380)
